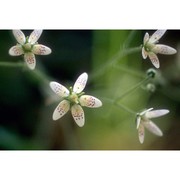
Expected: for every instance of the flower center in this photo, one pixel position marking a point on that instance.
(149, 46)
(74, 98)
(27, 47)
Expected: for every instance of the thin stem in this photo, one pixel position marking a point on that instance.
(132, 89)
(11, 64)
(120, 105)
(36, 73)
(40, 76)
(116, 103)
(115, 58)
(128, 70)
(130, 38)
(125, 108)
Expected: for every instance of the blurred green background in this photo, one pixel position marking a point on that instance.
(27, 102)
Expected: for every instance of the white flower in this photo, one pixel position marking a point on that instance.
(151, 48)
(73, 99)
(143, 121)
(29, 47)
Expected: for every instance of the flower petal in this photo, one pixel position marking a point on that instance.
(16, 50)
(78, 114)
(19, 35)
(30, 60)
(138, 120)
(34, 36)
(61, 109)
(153, 128)
(59, 89)
(163, 49)
(154, 59)
(90, 101)
(40, 49)
(145, 111)
(141, 133)
(80, 83)
(144, 53)
(156, 113)
(156, 36)
(146, 38)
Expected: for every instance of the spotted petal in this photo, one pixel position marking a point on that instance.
(30, 60)
(163, 49)
(16, 50)
(154, 59)
(78, 115)
(90, 101)
(80, 83)
(156, 113)
(61, 109)
(156, 36)
(146, 38)
(59, 89)
(141, 133)
(19, 35)
(144, 53)
(41, 49)
(34, 36)
(152, 128)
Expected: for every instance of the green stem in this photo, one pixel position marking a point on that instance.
(129, 71)
(125, 108)
(116, 103)
(36, 73)
(132, 89)
(115, 58)
(40, 76)
(120, 105)
(129, 39)
(10, 64)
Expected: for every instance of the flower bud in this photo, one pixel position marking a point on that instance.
(151, 87)
(151, 73)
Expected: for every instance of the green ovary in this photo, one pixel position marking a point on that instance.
(27, 47)
(74, 98)
(149, 46)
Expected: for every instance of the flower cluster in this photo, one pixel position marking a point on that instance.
(74, 98)
(29, 47)
(151, 48)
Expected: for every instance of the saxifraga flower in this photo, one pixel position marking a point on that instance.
(29, 47)
(73, 99)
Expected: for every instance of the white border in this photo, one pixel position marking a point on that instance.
(89, 165)
(94, 14)
(89, 15)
